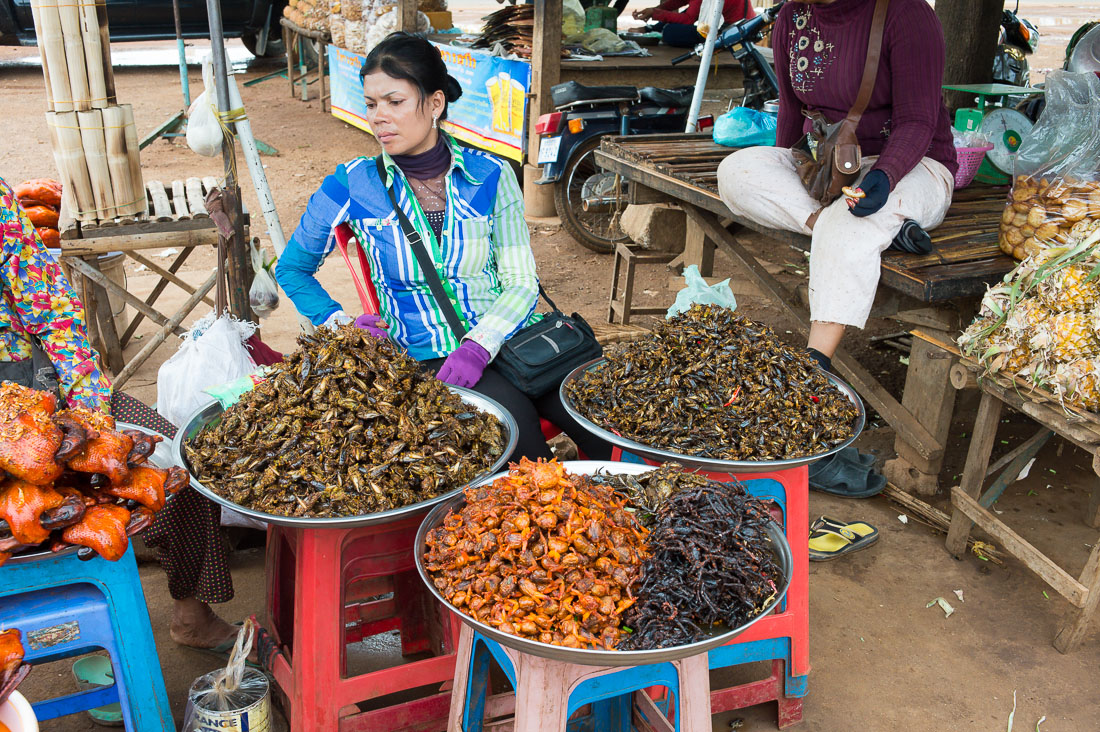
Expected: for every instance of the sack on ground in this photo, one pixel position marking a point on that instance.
(1055, 196)
(698, 292)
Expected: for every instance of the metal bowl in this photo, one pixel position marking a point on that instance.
(713, 465)
(211, 411)
(779, 546)
(161, 458)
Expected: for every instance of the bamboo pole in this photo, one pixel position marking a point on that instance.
(93, 52)
(51, 42)
(95, 152)
(133, 148)
(74, 56)
(118, 162)
(69, 157)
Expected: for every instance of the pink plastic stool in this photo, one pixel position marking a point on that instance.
(543, 690)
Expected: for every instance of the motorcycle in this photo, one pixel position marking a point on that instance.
(587, 199)
(740, 40)
(1018, 38)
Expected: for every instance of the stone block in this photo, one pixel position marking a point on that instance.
(655, 226)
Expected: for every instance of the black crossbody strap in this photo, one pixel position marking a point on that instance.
(416, 243)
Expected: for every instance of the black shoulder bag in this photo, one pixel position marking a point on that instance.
(537, 357)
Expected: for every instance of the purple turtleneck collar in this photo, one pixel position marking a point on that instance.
(427, 164)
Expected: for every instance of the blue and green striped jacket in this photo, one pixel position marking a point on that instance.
(484, 258)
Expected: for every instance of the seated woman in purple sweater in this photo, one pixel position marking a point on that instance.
(904, 135)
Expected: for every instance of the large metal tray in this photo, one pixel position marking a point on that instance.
(210, 412)
(712, 465)
(161, 458)
(588, 657)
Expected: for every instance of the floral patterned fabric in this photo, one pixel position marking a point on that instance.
(37, 303)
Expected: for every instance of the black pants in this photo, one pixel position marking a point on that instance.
(526, 412)
(680, 35)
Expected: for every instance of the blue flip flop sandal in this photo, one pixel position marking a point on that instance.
(847, 474)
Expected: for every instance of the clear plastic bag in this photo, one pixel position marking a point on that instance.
(698, 292)
(745, 127)
(204, 132)
(263, 296)
(213, 352)
(236, 697)
(1055, 196)
(572, 19)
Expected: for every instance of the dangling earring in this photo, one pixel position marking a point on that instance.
(435, 122)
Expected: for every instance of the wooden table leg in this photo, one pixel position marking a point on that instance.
(977, 461)
(290, 58)
(322, 57)
(929, 396)
(1077, 621)
(698, 248)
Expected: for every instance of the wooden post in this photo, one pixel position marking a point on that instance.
(977, 460)
(698, 248)
(406, 16)
(545, 67)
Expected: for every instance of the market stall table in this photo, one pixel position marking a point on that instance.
(1078, 427)
(934, 291)
(297, 71)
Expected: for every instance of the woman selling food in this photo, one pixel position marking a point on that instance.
(908, 157)
(467, 208)
(44, 344)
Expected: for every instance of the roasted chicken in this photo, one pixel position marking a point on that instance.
(103, 529)
(108, 453)
(29, 439)
(12, 668)
(73, 476)
(149, 486)
(22, 505)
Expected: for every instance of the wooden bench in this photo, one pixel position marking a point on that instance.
(937, 292)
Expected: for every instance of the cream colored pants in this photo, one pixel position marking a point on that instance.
(761, 184)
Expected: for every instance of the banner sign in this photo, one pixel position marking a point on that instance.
(491, 114)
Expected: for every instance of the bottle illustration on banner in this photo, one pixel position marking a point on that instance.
(507, 97)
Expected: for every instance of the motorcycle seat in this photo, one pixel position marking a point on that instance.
(572, 93)
(680, 97)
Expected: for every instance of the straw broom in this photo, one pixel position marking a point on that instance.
(133, 150)
(93, 52)
(51, 44)
(95, 152)
(68, 154)
(74, 56)
(118, 162)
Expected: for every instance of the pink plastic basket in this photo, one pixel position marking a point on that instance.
(970, 158)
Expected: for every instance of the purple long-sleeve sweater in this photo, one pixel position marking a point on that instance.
(820, 51)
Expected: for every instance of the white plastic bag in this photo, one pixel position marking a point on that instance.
(698, 292)
(213, 352)
(204, 133)
(706, 14)
(572, 20)
(234, 697)
(263, 296)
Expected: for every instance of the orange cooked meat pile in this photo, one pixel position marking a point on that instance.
(541, 554)
(77, 506)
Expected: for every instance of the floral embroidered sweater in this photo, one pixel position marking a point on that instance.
(820, 51)
(37, 303)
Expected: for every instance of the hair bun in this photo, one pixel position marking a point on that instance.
(453, 89)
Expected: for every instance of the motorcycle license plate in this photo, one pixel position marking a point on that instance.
(548, 149)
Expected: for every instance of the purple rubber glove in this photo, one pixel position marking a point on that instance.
(465, 366)
(373, 324)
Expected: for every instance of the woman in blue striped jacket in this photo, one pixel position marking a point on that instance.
(468, 210)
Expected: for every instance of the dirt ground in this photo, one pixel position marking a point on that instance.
(881, 659)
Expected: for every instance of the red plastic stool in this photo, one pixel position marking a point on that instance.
(327, 588)
(551, 430)
(788, 627)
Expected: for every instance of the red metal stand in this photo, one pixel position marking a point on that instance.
(327, 588)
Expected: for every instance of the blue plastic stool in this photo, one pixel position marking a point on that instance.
(609, 694)
(67, 607)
